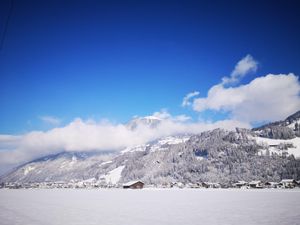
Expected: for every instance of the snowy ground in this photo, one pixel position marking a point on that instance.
(295, 150)
(149, 206)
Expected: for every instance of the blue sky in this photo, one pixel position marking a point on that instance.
(117, 59)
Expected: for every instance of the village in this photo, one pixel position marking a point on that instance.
(92, 184)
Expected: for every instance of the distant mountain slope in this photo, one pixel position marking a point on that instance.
(214, 156)
(60, 167)
(286, 129)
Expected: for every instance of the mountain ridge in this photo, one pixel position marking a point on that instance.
(213, 156)
(284, 129)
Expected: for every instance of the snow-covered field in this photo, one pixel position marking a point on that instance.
(295, 150)
(149, 206)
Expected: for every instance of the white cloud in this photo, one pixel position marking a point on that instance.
(186, 100)
(54, 121)
(165, 115)
(268, 98)
(89, 135)
(182, 118)
(243, 67)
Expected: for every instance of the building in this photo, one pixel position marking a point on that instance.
(256, 184)
(134, 185)
(288, 183)
(211, 185)
(240, 184)
(270, 184)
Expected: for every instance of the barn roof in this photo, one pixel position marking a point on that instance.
(131, 182)
(255, 182)
(287, 181)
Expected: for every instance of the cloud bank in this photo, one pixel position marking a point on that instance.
(89, 135)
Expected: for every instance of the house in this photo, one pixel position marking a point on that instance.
(256, 184)
(179, 185)
(12, 185)
(211, 185)
(270, 184)
(192, 185)
(288, 183)
(134, 185)
(240, 184)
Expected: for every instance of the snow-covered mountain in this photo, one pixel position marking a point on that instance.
(159, 145)
(214, 156)
(61, 167)
(285, 129)
(148, 121)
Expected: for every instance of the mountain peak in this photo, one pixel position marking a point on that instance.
(148, 121)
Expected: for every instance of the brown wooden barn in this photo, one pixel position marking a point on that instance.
(134, 185)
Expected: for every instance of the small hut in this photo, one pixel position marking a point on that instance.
(133, 185)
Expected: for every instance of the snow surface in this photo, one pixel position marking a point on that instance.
(131, 183)
(295, 141)
(149, 207)
(28, 169)
(113, 176)
(292, 125)
(105, 163)
(199, 158)
(157, 145)
(172, 140)
(135, 149)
